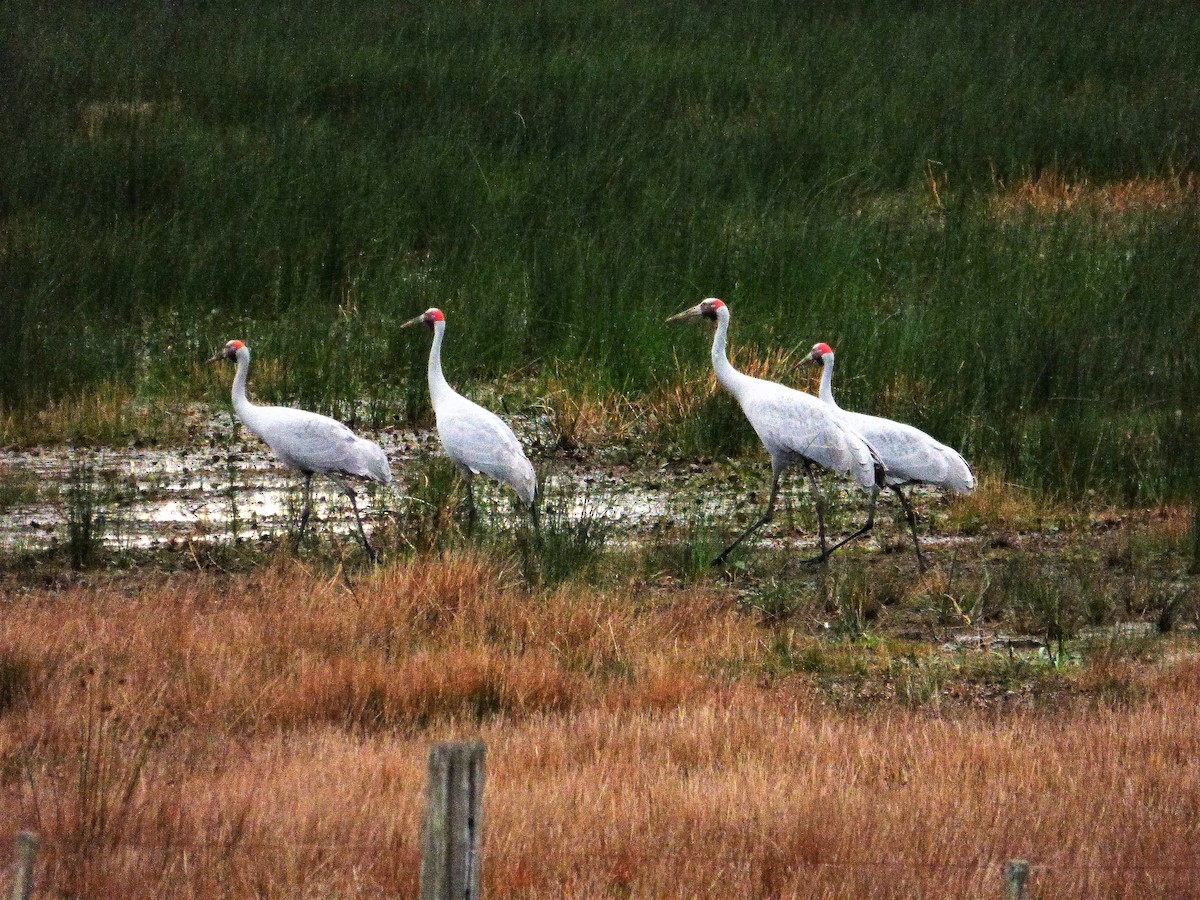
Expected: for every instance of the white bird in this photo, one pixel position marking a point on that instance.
(308, 442)
(475, 439)
(910, 455)
(794, 427)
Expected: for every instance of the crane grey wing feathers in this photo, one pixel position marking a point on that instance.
(911, 455)
(792, 425)
(315, 443)
(478, 440)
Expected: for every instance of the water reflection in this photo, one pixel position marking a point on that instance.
(153, 497)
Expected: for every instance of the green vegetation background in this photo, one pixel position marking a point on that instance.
(560, 175)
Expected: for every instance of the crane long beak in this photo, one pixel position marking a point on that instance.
(220, 356)
(692, 313)
(416, 320)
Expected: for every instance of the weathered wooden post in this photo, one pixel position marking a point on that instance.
(26, 856)
(452, 831)
(1016, 873)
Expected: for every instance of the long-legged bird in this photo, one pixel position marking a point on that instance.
(308, 442)
(911, 456)
(794, 427)
(476, 439)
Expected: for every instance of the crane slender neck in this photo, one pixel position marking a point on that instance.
(827, 379)
(731, 379)
(246, 411)
(241, 403)
(438, 386)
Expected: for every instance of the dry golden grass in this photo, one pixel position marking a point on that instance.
(1052, 192)
(1049, 193)
(675, 400)
(206, 734)
(591, 416)
(680, 395)
(111, 414)
(108, 414)
(999, 503)
(587, 417)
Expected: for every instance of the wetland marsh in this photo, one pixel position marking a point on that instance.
(992, 211)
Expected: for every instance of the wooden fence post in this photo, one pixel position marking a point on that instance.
(22, 883)
(1016, 873)
(452, 830)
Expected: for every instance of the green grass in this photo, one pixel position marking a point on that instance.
(561, 176)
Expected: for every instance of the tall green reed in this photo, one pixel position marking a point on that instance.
(559, 176)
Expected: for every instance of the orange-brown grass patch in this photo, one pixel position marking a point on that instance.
(1172, 521)
(270, 373)
(1000, 504)
(680, 395)
(1052, 192)
(106, 414)
(208, 734)
(678, 399)
(777, 364)
(587, 416)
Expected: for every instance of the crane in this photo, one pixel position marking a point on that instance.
(475, 439)
(794, 427)
(910, 455)
(308, 442)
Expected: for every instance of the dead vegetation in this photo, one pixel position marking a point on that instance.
(1051, 193)
(210, 734)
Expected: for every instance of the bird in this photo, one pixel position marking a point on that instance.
(910, 455)
(476, 439)
(308, 442)
(795, 427)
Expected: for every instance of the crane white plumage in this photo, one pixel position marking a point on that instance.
(308, 442)
(911, 456)
(476, 439)
(794, 427)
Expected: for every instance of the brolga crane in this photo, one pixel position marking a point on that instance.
(308, 442)
(475, 439)
(911, 456)
(794, 427)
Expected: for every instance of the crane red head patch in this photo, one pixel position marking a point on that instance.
(709, 307)
(430, 317)
(822, 349)
(229, 351)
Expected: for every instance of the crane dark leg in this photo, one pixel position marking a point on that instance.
(304, 513)
(867, 525)
(471, 512)
(537, 525)
(912, 524)
(880, 481)
(371, 554)
(766, 517)
(819, 501)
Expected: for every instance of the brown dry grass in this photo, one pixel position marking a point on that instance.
(110, 414)
(999, 503)
(587, 416)
(206, 734)
(682, 394)
(1052, 192)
